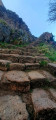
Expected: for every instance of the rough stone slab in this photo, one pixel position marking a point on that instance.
(32, 66)
(17, 66)
(41, 58)
(12, 108)
(53, 92)
(52, 64)
(16, 81)
(51, 79)
(26, 59)
(52, 68)
(4, 64)
(44, 107)
(11, 57)
(36, 79)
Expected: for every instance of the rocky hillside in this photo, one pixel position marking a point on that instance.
(17, 29)
(45, 38)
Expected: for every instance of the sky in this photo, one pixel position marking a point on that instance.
(34, 13)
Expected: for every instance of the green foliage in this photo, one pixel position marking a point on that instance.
(43, 63)
(10, 46)
(8, 66)
(47, 50)
(3, 22)
(3, 45)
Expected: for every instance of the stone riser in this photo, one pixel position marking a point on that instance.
(15, 58)
(15, 87)
(14, 81)
(52, 68)
(18, 66)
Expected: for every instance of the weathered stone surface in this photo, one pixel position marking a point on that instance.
(1, 74)
(41, 58)
(51, 79)
(32, 66)
(26, 97)
(12, 108)
(44, 107)
(53, 92)
(16, 81)
(36, 79)
(4, 64)
(11, 57)
(26, 59)
(52, 68)
(17, 66)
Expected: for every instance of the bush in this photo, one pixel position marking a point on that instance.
(43, 63)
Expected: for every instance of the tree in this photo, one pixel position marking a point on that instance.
(52, 10)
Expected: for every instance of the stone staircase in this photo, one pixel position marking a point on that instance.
(27, 91)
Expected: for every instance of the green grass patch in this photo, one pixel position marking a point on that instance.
(11, 46)
(43, 63)
(48, 50)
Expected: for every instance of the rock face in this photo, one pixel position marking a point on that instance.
(1, 3)
(48, 37)
(45, 38)
(5, 32)
(18, 29)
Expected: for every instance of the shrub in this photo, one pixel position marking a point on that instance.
(43, 63)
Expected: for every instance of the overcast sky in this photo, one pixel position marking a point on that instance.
(34, 13)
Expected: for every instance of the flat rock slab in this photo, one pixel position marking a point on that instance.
(36, 79)
(4, 64)
(44, 107)
(12, 108)
(16, 81)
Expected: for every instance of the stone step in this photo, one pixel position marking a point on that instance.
(22, 58)
(11, 57)
(4, 64)
(12, 108)
(37, 79)
(32, 66)
(44, 106)
(8, 65)
(17, 66)
(15, 81)
(19, 52)
(52, 68)
(26, 66)
(50, 78)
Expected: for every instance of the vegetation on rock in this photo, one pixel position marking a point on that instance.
(19, 31)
